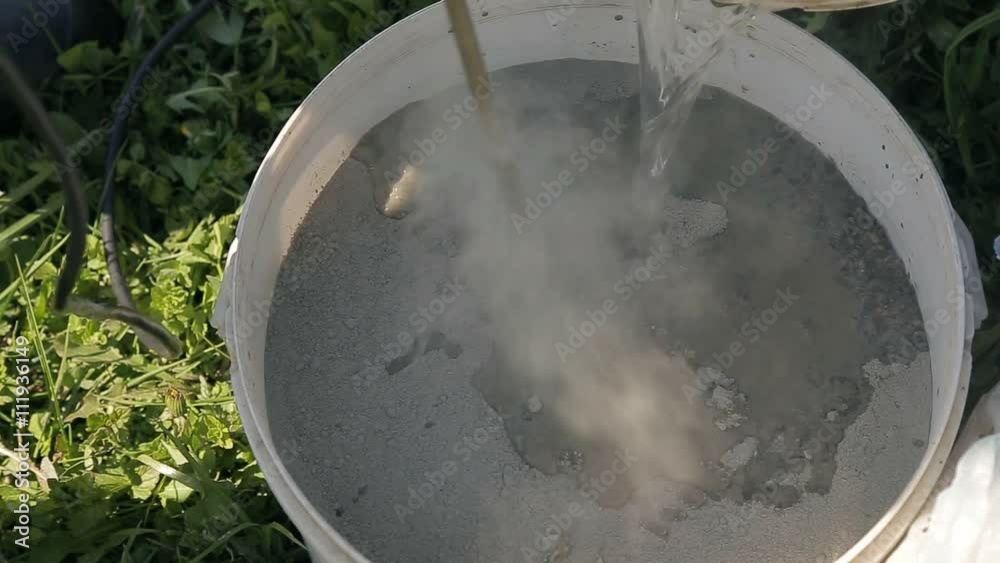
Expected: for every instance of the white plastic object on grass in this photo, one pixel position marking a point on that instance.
(964, 524)
(970, 271)
(967, 515)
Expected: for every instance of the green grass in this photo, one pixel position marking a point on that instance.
(147, 458)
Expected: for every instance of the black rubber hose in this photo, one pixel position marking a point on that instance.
(118, 284)
(76, 203)
(151, 333)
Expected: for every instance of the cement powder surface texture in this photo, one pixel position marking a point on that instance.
(419, 436)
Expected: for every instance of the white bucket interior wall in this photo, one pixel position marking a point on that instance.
(774, 66)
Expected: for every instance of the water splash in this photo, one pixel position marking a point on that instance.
(678, 39)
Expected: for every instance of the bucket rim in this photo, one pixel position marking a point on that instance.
(884, 534)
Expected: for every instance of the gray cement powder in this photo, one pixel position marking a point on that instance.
(385, 369)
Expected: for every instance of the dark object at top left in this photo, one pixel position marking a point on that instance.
(31, 30)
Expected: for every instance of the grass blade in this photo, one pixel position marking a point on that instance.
(43, 360)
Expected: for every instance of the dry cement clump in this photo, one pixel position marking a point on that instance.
(723, 396)
(690, 220)
(740, 454)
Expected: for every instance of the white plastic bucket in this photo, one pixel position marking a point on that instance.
(776, 62)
